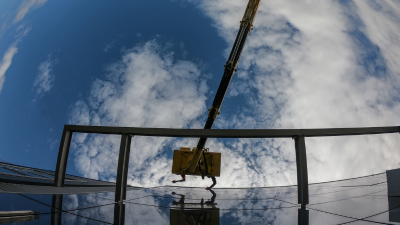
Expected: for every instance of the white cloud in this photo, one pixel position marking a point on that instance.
(382, 21)
(6, 62)
(109, 46)
(19, 14)
(307, 64)
(45, 79)
(147, 88)
(24, 8)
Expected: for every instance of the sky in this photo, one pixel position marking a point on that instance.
(306, 64)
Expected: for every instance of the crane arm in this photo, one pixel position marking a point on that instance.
(246, 25)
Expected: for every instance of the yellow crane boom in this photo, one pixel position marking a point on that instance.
(198, 155)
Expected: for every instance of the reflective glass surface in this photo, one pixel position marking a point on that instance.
(355, 201)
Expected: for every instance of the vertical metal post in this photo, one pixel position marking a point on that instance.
(122, 178)
(56, 209)
(62, 159)
(302, 174)
(303, 216)
(119, 213)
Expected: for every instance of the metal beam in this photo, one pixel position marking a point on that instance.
(119, 213)
(233, 133)
(122, 172)
(302, 174)
(122, 178)
(62, 159)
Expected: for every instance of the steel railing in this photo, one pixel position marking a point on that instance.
(128, 132)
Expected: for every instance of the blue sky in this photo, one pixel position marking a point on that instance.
(307, 64)
(75, 45)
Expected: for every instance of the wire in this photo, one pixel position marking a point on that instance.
(100, 197)
(159, 196)
(67, 211)
(355, 219)
(294, 205)
(160, 206)
(169, 207)
(366, 185)
(347, 198)
(380, 213)
(373, 175)
(139, 198)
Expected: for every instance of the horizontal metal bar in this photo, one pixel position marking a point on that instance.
(17, 213)
(232, 133)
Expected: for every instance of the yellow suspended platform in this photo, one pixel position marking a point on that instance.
(183, 157)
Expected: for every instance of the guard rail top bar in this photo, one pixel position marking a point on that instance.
(232, 133)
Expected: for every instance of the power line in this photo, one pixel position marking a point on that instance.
(68, 211)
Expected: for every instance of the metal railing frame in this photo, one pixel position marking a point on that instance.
(128, 132)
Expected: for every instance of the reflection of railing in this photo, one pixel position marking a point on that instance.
(128, 132)
(18, 216)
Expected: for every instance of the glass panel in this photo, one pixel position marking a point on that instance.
(356, 201)
(82, 201)
(354, 207)
(17, 202)
(368, 180)
(346, 195)
(361, 222)
(317, 218)
(391, 216)
(95, 215)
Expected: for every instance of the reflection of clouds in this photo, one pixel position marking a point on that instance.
(140, 207)
(244, 205)
(143, 212)
(88, 205)
(275, 216)
(69, 202)
(138, 214)
(259, 206)
(356, 198)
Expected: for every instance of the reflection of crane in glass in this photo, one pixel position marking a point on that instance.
(199, 161)
(18, 216)
(182, 200)
(205, 212)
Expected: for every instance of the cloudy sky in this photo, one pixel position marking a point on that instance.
(306, 64)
